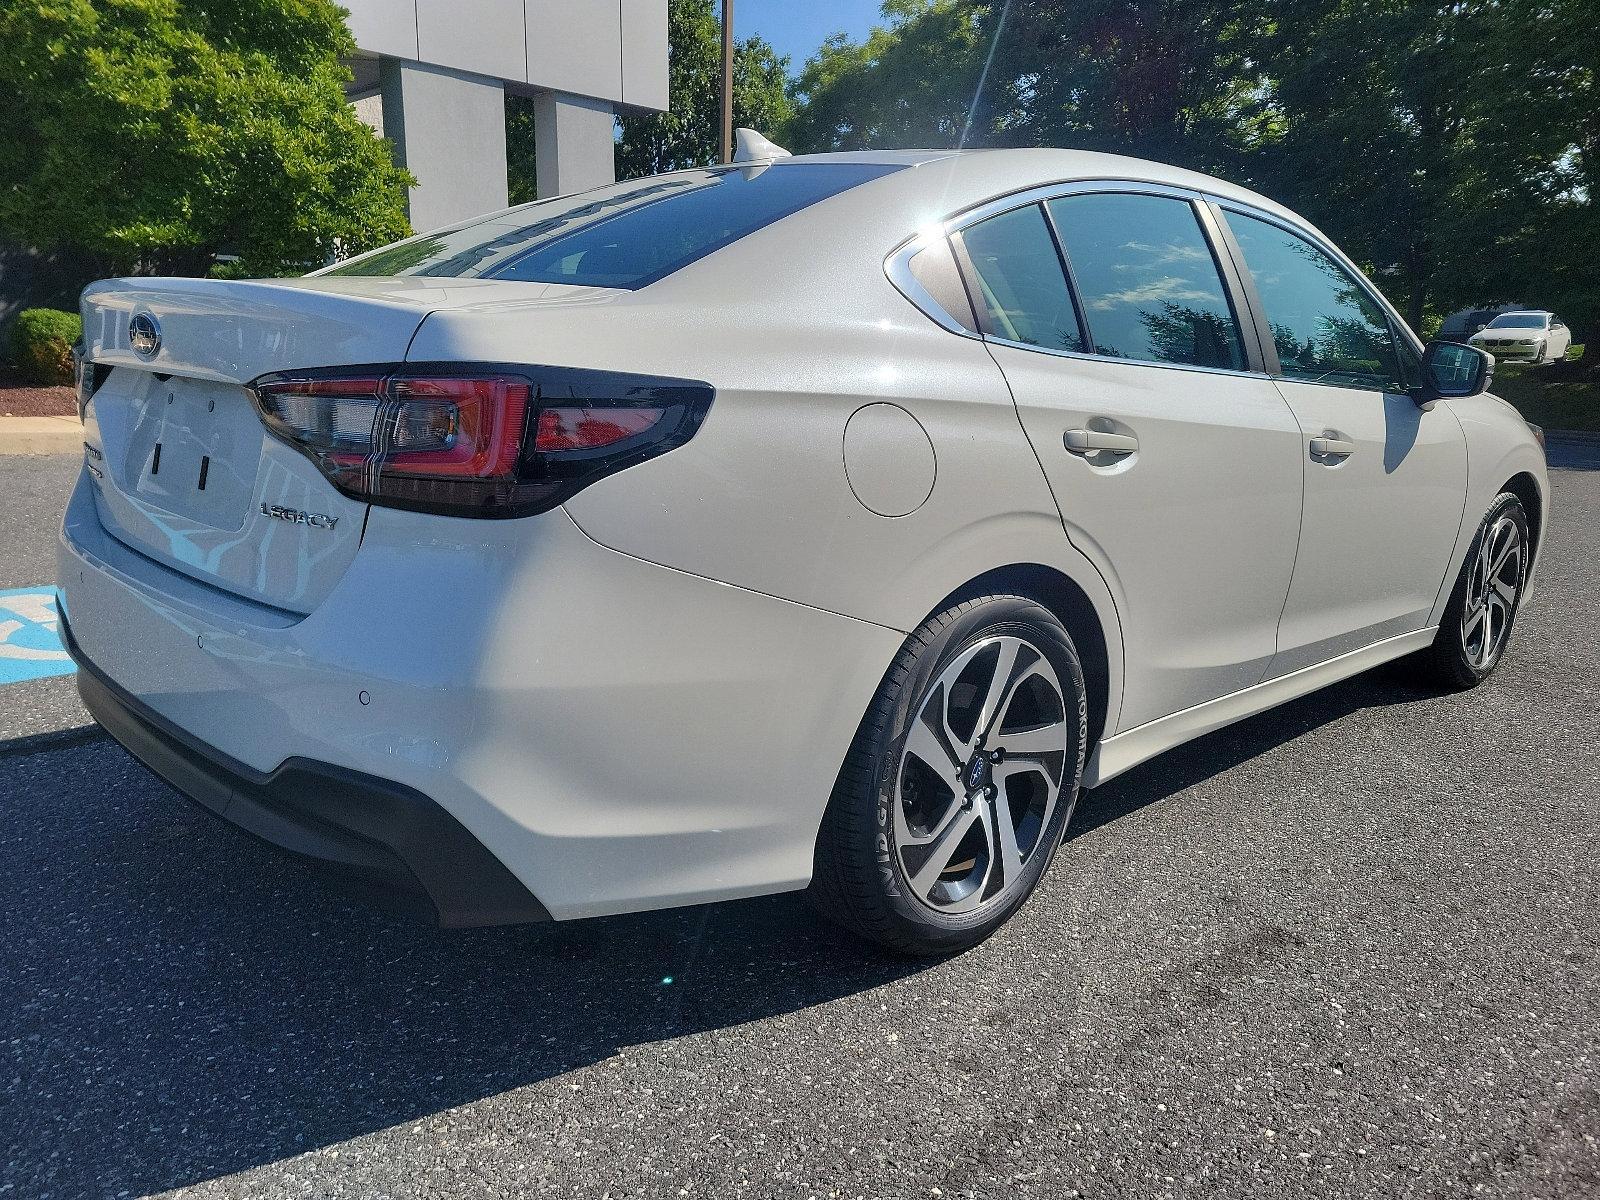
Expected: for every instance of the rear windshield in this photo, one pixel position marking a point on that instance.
(623, 236)
(1518, 321)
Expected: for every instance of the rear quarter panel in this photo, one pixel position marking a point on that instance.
(761, 497)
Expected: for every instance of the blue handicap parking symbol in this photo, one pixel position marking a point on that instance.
(30, 642)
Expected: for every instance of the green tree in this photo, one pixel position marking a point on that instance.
(522, 164)
(1371, 143)
(1524, 217)
(1439, 144)
(687, 135)
(910, 84)
(1452, 147)
(1169, 79)
(1177, 81)
(157, 133)
(1575, 201)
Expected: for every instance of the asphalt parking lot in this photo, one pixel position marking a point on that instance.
(1348, 948)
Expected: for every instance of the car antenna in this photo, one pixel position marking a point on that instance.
(753, 147)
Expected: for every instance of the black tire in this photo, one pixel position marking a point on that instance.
(1452, 661)
(860, 880)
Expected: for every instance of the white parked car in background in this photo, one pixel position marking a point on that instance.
(1536, 337)
(821, 522)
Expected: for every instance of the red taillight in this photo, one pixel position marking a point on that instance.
(475, 443)
(460, 428)
(590, 428)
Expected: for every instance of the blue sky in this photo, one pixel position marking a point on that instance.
(797, 27)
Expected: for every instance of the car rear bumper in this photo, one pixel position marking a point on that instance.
(392, 838)
(619, 735)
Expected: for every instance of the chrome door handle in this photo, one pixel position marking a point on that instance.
(1091, 441)
(1332, 447)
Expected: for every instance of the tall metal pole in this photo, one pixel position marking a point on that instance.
(727, 81)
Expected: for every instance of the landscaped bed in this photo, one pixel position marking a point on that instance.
(19, 399)
(1554, 397)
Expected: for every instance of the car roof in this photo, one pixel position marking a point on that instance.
(990, 172)
(894, 158)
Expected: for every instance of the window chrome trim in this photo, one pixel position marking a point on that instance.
(1126, 362)
(1103, 187)
(1072, 187)
(1307, 234)
(1233, 294)
(897, 266)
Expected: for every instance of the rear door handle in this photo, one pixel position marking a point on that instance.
(1332, 447)
(1092, 441)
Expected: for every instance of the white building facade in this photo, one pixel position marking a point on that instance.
(432, 76)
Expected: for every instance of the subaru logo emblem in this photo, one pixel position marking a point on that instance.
(977, 773)
(144, 335)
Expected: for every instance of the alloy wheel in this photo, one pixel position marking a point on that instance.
(980, 775)
(1495, 580)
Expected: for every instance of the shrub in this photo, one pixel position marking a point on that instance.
(155, 133)
(42, 343)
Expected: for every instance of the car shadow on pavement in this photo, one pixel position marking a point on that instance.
(1195, 762)
(182, 1003)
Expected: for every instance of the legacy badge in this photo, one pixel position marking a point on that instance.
(295, 517)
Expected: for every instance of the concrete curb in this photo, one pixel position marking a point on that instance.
(40, 435)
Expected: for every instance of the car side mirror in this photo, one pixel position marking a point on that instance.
(1451, 370)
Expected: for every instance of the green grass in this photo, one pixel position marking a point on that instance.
(1566, 404)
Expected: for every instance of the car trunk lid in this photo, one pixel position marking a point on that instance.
(184, 470)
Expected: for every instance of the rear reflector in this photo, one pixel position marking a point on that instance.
(469, 441)
(591, 428)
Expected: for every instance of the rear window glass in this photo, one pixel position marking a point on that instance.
(623, 236)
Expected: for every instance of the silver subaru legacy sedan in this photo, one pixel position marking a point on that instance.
(811, 522)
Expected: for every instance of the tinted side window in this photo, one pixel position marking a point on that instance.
(1326, 327)
(1020, 289)
(1149, 286)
